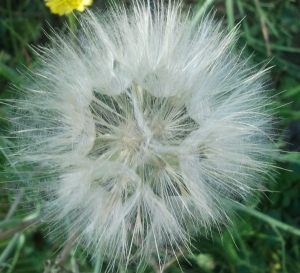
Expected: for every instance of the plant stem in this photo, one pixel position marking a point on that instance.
(268, 219)
(72, 22)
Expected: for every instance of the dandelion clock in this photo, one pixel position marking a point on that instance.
(141, 131)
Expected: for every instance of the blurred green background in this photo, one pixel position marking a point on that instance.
(265, 237)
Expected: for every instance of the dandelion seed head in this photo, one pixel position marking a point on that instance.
(144, 129)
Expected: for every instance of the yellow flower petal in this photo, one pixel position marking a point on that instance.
(80, 8)
(87, 2)
(62, 7)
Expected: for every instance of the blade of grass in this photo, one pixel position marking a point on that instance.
(13, 39)
(9, 248)
(290, 68)
(264, 29)
(18, 36)
(230, 14)
(23, 225)
(200, 12)
(9, 73)
(10, 222)
(20, 244)
(268, 219)
(277, 47)
(285, 48)
(15, 204)
(282, 249)
(261, 13)
(244, 21)
(98, 264)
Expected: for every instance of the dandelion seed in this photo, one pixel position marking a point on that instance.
(143, 130)
(62, 7)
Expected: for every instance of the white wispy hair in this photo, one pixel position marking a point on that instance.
(143, 129)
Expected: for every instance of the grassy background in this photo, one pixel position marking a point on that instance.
(266, 236)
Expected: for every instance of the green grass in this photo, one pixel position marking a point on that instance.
(265, 237)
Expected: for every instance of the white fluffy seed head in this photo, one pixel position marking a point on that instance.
(143, 129)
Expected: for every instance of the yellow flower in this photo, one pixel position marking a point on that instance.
(62, 7)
